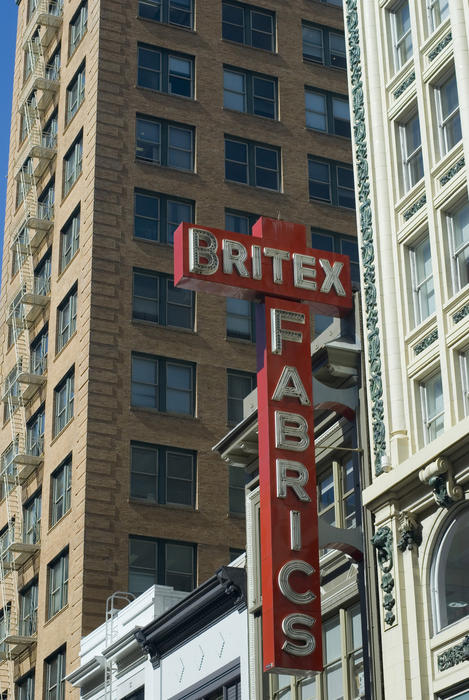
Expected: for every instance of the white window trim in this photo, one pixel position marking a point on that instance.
(426, 423)
(398, 40)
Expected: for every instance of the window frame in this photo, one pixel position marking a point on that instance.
(163, 145)
(397, 39)
(77, 27)
(162, 302)
(330, 57)
(24, 686)
(445, 120)
(163, 223)
(419, 284)
(249, 78)
(231, 374)
(70, 239)
(433, 22)
(429, 419)
(456, 252)
(247, 26)
(32, 519)
(35, 441)
(64, 496)
(73, 164)
(409, 157)
(164, 71)
(65, 388)
(160, 572)
(332, 183)
(329, 118)
(67, 311)
(161, 365)
(253, 170)
(160, 476)
(28, 609)
(75, 93)
(165, 8)
(58, 577)
(55, 690)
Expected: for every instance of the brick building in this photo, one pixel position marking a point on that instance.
(129, 117)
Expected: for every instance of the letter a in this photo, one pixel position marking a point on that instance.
(290, 384)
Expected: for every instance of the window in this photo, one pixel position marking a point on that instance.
(448, 578)
(458, 230)
(248, 25)
(327, 112)
(162, 562)
(240, 319)
(464, 362)
(5, 615)
(57, 572)
(8, 468)
(449, 121)
(411, 152)
(240, 384)
(78, 27)
(17, 250)
(322, 45)
(239, 221)
(35, 433)
(343, 674)
(28, 610)
(72, 163)
(331, 182)
(16, 318)
(236, 492)
(438, 11)
(32, 520)
(164, 71)
(39, 352)
(162, 383)
(139, 694)
(45, 200)
(49, 132)
(23, 185)
(165, 143)
(42, 274)
(157, 300)
(322, 239)
(431, 393)
(178, 12)
(75, 93)
(337, 487)
(52, 71)
(61, 490)
(249, 92)
(25, 687)
(67, 318)
(422, 280)
(55, 676)
(63, 402)
(69, 239)
(252, 163)
(161, 474)
(157, 216)
(401, 34)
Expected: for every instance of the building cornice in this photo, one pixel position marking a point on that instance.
(220, 595)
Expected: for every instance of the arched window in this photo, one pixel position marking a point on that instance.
(449, 573)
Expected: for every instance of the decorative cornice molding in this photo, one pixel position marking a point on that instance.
(426, 342)
(462, 313)
(439, 47)
(454, 656)
(404, 85)
(367, 249)
(459, 165)
(382, 542)
(410, 532)
(415, 207)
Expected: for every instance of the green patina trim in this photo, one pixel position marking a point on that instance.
(452, 171)
(415, 207)
(426, 342)
(382, 542)
(366, 227)
(454, 656)
(440, 46)
(404, 85)
(462, 313)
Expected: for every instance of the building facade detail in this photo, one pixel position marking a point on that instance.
(382, 541)
(426, 342)
(439, 476)
(459, 165)
(410, 531)
(440, 46)
(454, 656)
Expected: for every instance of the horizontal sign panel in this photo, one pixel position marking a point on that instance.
(274, 261)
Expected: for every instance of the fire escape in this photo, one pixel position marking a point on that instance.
(20, 539)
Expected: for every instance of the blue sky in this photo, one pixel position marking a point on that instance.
(8, 16)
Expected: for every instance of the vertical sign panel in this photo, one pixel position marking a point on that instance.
(291, 605)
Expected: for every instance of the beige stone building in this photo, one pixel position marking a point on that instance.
(409, 77)
(128, 117)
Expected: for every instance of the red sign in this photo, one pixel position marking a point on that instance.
(274, 266)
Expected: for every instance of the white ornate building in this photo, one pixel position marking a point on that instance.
(409, 83)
